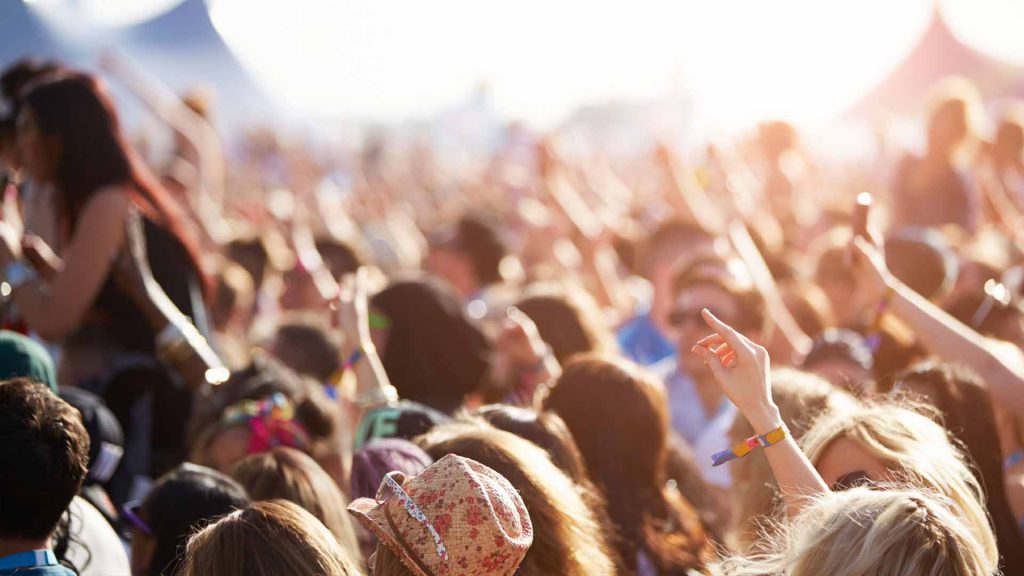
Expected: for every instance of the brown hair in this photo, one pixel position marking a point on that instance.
(568, 319)
(288, 474)
(45, 450)
(618, 416)
(267, 539)
(568, 539)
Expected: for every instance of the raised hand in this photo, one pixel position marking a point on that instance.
(354, 310)
(743, 369)
(520, 341)
(873, 277)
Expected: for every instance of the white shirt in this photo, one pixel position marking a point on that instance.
(705, 433)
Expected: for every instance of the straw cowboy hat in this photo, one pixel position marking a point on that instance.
(457, 518)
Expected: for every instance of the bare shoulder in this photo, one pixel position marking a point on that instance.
(108, 205)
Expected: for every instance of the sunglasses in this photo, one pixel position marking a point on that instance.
(390, 487)
(131, 514)
(853, 479)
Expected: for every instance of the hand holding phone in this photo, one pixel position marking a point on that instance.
(861, 212)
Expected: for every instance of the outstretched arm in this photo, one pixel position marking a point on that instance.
(743, 369)
(196, 132)
(939, 332)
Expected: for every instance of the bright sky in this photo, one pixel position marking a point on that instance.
(741, 59)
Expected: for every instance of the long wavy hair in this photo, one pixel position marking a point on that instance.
(966, 411)
(915, 449)
(568, 539)
(75, 111)
(618, 416)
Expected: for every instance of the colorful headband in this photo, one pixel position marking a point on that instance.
(747, 446)
(270, 421)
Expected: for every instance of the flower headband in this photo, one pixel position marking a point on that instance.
(271, 423)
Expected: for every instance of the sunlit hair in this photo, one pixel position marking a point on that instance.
(287, 474)
(964, 403)
(915, 450)
(617, 413)
(568, 539)
(801, 397)
(267, 539)
(896, 532)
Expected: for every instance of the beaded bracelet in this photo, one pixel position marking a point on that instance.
(747, 446)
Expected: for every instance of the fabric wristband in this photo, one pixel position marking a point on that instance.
(741, 449)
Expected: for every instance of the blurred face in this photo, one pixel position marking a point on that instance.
(228, 447)
(300, 291)
(690, 327)
(32, 148)
(453, 267)
(842, 300)
(844, 465)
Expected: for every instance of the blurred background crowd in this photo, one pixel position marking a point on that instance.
(475, 345)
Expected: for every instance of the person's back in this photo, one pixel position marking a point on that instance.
(45, 451)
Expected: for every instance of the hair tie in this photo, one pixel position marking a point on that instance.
(270, 421)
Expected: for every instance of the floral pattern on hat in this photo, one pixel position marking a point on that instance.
(482, 521)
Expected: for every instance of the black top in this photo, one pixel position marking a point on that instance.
(173, 270)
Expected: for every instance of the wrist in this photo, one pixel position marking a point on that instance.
(765, 418)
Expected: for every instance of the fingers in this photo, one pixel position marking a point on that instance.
(737, 341)
(520, 321)
(712, 361)
(710, 340)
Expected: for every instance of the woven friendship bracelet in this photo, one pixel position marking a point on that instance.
(747, 446)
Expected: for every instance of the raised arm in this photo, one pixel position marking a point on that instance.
(55, 308)
(194, 130)
(372, 385)
(743, 369)
(940, 333)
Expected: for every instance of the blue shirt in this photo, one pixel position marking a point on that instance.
(33, 563)
(642, 342)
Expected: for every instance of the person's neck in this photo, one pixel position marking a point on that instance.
(710, 393)
(15, 546)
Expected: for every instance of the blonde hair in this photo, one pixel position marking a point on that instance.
(866, 532)
(568, 539)
(801, 397)
(267, 539)
(288, 474)
(916, 450)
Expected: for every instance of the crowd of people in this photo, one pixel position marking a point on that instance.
(534, 359)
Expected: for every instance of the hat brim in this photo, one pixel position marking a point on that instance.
(372, 516)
